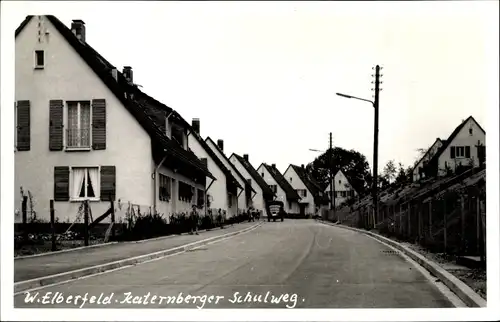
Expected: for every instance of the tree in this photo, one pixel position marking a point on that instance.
(390, 171)
(352, 163)
(405, 176)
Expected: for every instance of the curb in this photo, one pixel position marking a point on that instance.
(66, 276)
(462, 290)
(110, 243)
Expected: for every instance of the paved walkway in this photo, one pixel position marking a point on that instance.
(54, 263)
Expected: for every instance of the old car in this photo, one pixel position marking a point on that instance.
(275, 210)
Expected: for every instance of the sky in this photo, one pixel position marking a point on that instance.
(263, 76)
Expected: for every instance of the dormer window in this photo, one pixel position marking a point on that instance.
(39, 59)
(178, 134)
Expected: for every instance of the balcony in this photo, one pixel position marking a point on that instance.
(78, 139)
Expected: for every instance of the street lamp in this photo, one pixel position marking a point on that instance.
(375, 104)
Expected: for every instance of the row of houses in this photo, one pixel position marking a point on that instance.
(457, 161)
(86, 131)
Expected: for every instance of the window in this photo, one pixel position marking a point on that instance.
(39, 59)
(302, 192)
(85, 183)
(459, 152)
(178, 134)
(274, 188)
(470, 131)
(290, 179)
(165, 189)
(340, 181)
(78, 132)
(201, 198)
(262, 174)
(229, 200)
(185, 192)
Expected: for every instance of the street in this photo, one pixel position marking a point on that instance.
(295, 263)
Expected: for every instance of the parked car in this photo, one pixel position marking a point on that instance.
(275, 210)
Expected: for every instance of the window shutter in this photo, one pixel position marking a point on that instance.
(61, 183)
(99, 124)
(23, 126)
(108, 183)
(56, 125)
(467, 151)
(452, 152)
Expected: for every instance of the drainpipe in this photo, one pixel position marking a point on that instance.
(238, 199)
(206, 198)
(154, 175)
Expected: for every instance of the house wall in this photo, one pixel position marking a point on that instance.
(218, 189)
(341, 184)
(174, 205)
(258, 200)
(463, 138)
(297, 183)
(432, 151)
(238, 202)
(292, 208)
(66, 76)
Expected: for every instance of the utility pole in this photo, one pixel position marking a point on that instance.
(375, 146)
(332, 180)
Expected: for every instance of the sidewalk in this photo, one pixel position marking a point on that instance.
(55, 263)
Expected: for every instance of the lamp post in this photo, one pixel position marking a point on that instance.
(375, 105)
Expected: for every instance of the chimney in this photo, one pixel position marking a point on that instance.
(129, 75)
(302, 166)
(196, 125)
(245, 156)
(78, 28)
(220, 144)
(274, 166)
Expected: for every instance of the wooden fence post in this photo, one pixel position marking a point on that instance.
(479, 228)
(430, 219)
(408, 210)
(52, 225)
(24, 208)
(462, 223)
(86, 222)
(445, 225)
(419, 212)
(112, 218)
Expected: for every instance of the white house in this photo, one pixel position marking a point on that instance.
(244, 199)
(418, 170)
(465, 148)
(283, 190)
(86, 132)
(312, 198)
(263, 191)
(223, 192)
(343, 189)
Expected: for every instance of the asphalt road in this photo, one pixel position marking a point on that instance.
(295, 263)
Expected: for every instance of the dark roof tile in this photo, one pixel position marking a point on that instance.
(266, 190)
(290, 192)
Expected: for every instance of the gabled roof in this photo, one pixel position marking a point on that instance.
(427, 152)
(232, 183)
(314, 187)
(450, 139)
(146, 110)
(230, 163)
(290, 192)
(266, 190)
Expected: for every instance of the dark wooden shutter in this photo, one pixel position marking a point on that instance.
(23, 126)
(452, 152)
(467, 151)
(99, 124)
(108, 183)
(56, 125)
(61, 183)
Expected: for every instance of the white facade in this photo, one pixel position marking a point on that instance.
(428, 155)
(237, 202)
(343, 189)
(258, 201)
(217, 192)
(66, 76)
(469, 136)
(290, 207)
(299, 186)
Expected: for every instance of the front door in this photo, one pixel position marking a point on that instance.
(302, 209)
